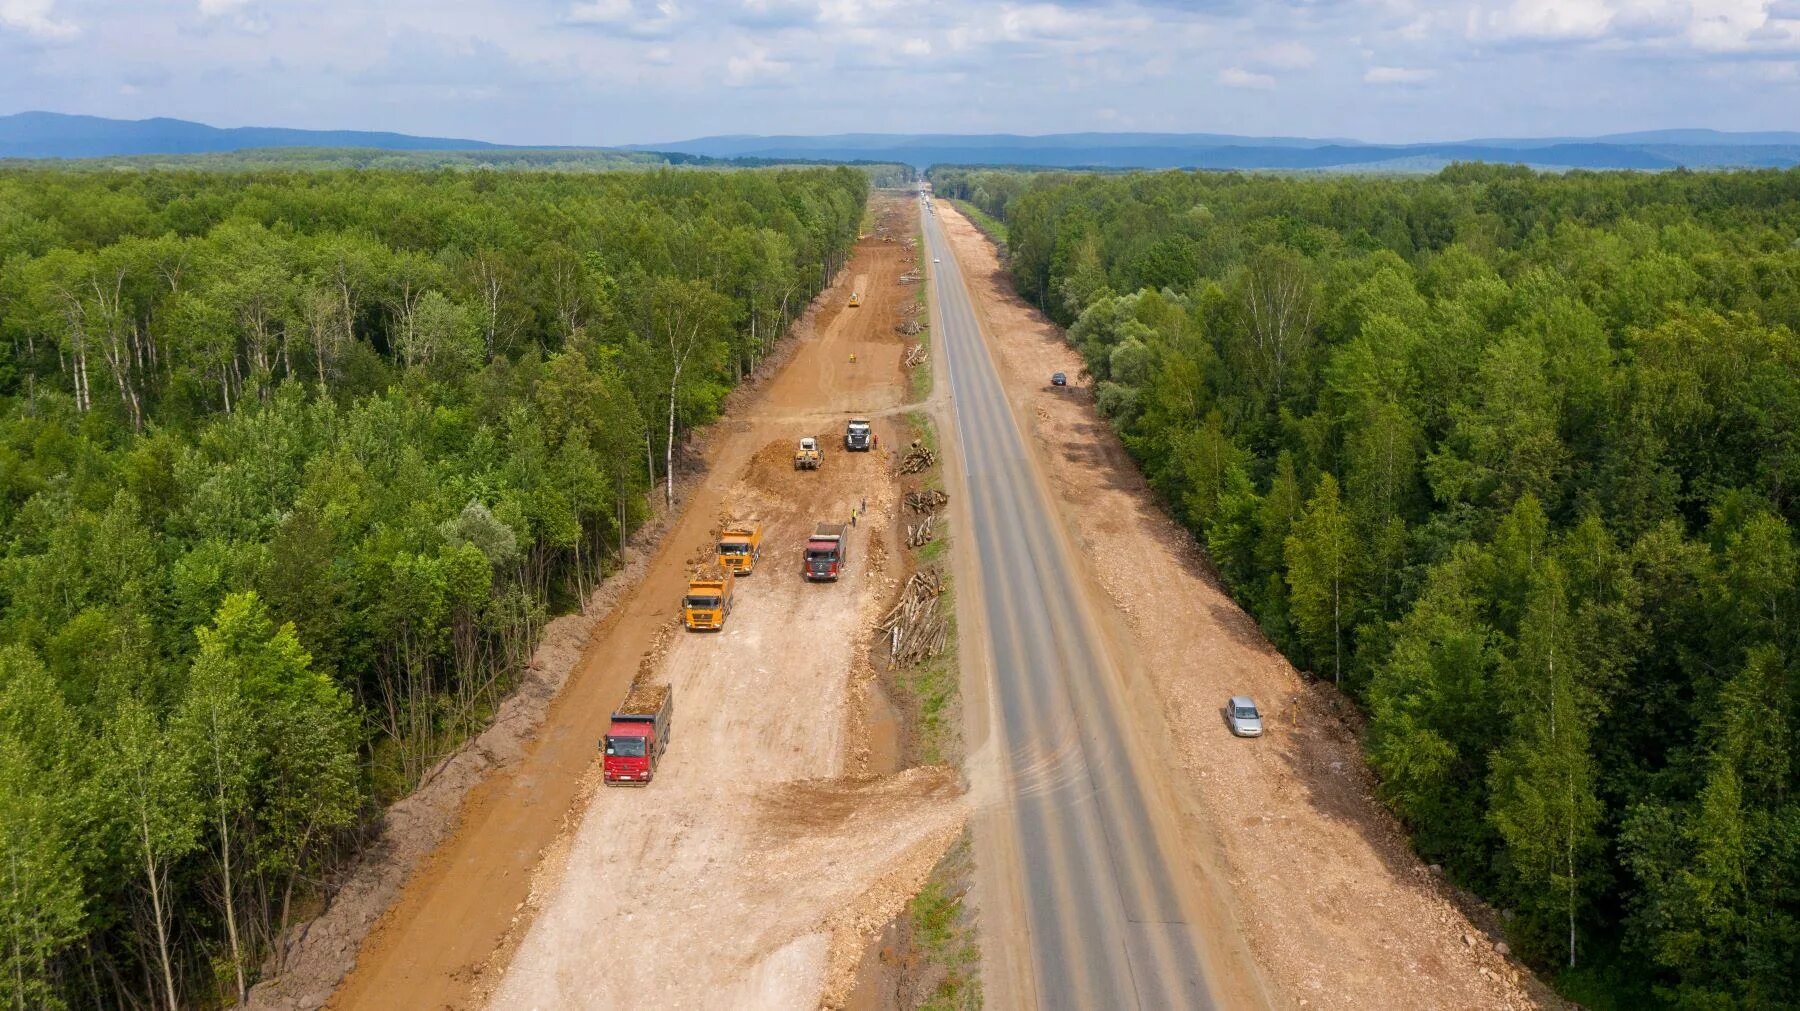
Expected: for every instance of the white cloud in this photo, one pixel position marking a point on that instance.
(1551, 20)
(755, 66)
(1397, 75)
(1286, 56)
(631, 17)
(916, 47)
(216, 8)
(1238, 77)
(37, 18)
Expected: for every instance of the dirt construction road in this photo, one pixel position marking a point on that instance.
(752, 872)
(1279, 840)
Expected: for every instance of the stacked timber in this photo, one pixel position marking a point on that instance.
(916, 631)
(921, 535)
(925, 501)
(918, 457)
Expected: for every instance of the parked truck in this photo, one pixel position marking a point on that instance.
(827, 550)
(740, 546)
(708, 600)
(857, 437)
(808, 457)
(634, 742)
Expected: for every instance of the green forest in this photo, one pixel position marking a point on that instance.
(294, 465)
(1514, 460)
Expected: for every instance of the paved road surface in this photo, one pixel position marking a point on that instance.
(1102, 905)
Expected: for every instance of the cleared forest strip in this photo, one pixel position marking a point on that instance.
(317, 955)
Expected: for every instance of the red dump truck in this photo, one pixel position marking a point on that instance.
(634, 744)
(826, 552)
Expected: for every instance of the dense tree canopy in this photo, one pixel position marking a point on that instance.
(293, 467)
(1515, 458)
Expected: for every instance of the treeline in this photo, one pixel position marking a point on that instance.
(1514, 458)
(293, 469)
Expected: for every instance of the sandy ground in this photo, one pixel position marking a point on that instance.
(764, 856)
(1337, 909)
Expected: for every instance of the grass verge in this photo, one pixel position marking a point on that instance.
(939, 957)
(939, 929)
(921, 377)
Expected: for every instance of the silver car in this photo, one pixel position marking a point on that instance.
(1244, 719)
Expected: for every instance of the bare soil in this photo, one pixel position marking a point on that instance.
(767, 852)
(1338, 910)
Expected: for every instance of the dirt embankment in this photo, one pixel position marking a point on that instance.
(1339, 911)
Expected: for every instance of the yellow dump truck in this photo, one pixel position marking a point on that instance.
(740, 545)
(708, 600)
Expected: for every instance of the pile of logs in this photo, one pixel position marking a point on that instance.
(926, 501)
(921, 535)
(910, 277)
(907, 328)
(918, 457)
(916, 356)
(915, 630)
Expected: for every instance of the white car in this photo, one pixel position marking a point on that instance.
(936, 260)
(1244, 718)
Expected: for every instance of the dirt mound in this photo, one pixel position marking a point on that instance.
(772, 472)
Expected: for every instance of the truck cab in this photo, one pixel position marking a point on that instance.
(708, 601)
(637, 736)
(826, 552)
(740, 546)
(857, 436)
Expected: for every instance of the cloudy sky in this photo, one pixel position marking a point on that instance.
(622, 71)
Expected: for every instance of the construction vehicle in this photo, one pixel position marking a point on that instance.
(827, 550)
(808, 457)
(855, 299)
(857, 437)
(740, 546)
(639, 733)
(708, 600)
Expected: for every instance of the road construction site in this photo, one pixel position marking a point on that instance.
(1127, 852)
(776, 838)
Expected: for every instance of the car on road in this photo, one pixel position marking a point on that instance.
(1058, 379)
(1243, 716)
(936, 260)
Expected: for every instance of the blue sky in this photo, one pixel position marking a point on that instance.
(622, 71)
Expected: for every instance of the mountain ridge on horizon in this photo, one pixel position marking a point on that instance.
(52, 135)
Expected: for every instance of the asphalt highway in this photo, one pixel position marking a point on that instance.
(1105, 918)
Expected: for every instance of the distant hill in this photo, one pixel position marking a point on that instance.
(55, 135)
(40, 135)
(1661, 149)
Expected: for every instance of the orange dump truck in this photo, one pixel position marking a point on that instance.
(740, 546)
(708, 599)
